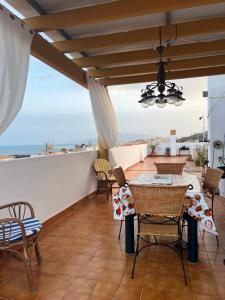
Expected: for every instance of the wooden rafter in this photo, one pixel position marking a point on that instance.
(48, 54)
(169, 76)
(109, 12)
(148, 55)
(151, 35)
(173, 65)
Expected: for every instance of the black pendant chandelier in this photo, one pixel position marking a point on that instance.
(162, 91)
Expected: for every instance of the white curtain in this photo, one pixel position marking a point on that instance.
(104, 115)
(15, 43)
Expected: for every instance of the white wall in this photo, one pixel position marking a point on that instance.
(126, 156)
(216, 111)
(216, 120)
(161, 148)
(49, 183)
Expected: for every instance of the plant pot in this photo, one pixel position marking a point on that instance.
(203, 170)
(153, 153)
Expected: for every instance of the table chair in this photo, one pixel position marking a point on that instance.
(104, 176)
(170, 168)
(159, 211)
(121, 181)
(210, 187)
(19, 231)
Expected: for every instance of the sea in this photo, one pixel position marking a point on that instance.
(29, 149)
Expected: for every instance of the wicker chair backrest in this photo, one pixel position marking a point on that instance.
(158, 200)
(119, 176)
(169, 168)
(212, 178)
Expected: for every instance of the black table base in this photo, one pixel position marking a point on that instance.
(129, 234)
(192, 244)
(192, 238)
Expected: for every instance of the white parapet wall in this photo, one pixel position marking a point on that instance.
(50, 183)
(126, 156)
(161, 148)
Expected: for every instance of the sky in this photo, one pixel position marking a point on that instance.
(58, 110)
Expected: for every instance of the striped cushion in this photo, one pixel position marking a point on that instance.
(31, 225)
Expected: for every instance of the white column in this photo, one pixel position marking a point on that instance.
(173, 140)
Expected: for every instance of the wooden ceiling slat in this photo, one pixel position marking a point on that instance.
(151, 35)
(169, 76)
(148, 55)
(183, 64)
(48, 54)
(109, 12)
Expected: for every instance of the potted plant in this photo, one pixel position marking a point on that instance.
(153, 147)
(167, 151)
(201, 159)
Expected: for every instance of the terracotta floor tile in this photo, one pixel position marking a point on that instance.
(76, 296)
(204, 297)
(221, 290)
(207, 288)
(127, 292)
(205, 275)
(137, 281)
(51, 267)
(172, 295)
(104, 289)
(79, 259)
(52, 294)
(156, 281)
(93, 297)
(82, 285)
(71, 270)
(153, 294)
(178, 284)
(112, 276)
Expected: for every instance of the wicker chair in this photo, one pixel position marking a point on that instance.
(210, 187)
(170, 168)
(210, 183)
(19, 231)
(159, 210)
(104, 176)
(121, 181)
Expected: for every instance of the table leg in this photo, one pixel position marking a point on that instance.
(129, 234)
(192, 238)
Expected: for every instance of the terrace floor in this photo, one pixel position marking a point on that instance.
(83, 259)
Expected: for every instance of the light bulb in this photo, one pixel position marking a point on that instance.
(161, 104)
(144, 104)
(151, 101)
(171, 99)
(178, 102)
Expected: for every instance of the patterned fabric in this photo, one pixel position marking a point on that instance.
(122, 203)
(13, 231)
(197, 208)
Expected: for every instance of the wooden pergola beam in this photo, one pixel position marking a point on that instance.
(169, 76)
(48, 54)
(110, 11)
(172, 65)
(149, 55)
(151, 35)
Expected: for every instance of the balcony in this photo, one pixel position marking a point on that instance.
(82, 256)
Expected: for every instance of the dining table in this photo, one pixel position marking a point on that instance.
(196, 210)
